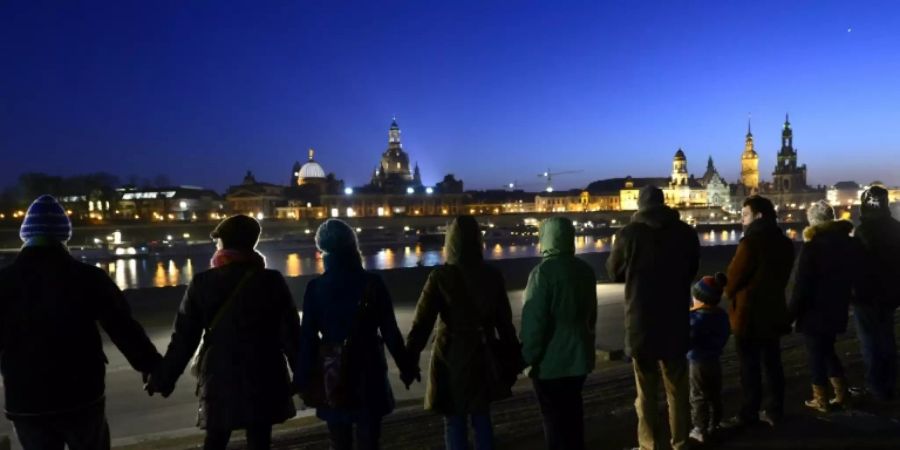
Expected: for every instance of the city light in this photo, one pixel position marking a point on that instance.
(410, 190)
(348, 191)
(259, 216)
(182, 204)
(429, 190)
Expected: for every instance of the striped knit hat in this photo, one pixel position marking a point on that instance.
(46, 218)
(709, 289)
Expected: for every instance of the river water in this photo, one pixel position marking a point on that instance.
(161, 271)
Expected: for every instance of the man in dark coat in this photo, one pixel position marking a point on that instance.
(879, 235)
(249, 325)
(826, 273)
(657, 256)
(51, 354)
(757, 277)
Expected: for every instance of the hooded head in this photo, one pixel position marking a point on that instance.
(650, 196)
(238, 232)
(557, 236)
(463, 242)
(819, 213)
(338, 244)
(875, 203)
(46, 220)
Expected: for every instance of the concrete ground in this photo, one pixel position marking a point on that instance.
(610, 419)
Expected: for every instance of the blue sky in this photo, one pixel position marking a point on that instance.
(491, 91)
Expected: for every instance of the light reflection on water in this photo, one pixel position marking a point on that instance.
(178, 270)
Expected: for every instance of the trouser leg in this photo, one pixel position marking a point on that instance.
(699, 402)
(771, 349)
(751, 378)
(675, 381)
(646, 377)
(216, 439)
(341, 435)
(456, 432)
(484, 431)
(816, 351)
(37, 434)
(368, 433)
(259, 437)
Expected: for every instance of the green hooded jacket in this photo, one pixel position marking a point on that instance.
(560, 312)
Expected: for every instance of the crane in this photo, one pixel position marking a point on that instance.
(549, 176)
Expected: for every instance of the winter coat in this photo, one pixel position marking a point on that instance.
(827, 270)
(757, 278)
(468, 301)
(330, 305)
(51, 353)
(243, 377)
(709, 333)
(879, 236)
(560, 312)
(657, 256)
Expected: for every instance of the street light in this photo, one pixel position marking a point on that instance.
(410, 190)
(348, 191)
(429, 190)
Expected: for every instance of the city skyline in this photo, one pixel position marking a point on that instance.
(202, 93)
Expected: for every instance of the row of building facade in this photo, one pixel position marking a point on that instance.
(396, 189)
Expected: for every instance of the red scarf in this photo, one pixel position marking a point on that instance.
(228, 256)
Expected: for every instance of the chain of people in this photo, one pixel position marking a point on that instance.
(238, 334)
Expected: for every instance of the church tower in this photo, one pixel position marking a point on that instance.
(749, 164)
(679, 169)
(393, 173)
(788, 176)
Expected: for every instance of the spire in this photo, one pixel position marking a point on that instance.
(787, 122)
(311, 154)
(709, 163)
(749, 134)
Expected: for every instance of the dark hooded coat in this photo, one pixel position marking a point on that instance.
(757, 278)
(826, 273)
(879, 235)
(51, 353)
(657, 256)
(243, 376)
(467, 298)
(330, 305)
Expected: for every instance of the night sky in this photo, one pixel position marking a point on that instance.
(201, 91)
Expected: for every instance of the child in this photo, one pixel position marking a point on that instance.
(709, 333)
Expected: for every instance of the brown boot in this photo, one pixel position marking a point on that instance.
(819, 402)
(841, 393)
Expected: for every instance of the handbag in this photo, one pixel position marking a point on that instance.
(334, 380)
(203, 347)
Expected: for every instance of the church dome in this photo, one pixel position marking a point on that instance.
(310, 171)
(679, 154)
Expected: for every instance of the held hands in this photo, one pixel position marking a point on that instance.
(151, 386)
(410, 375)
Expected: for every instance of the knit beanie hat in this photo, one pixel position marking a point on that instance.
(238, 232)
(650, 196)
(709, 289)
(335, 236)
(819, 212)
(46, 218)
